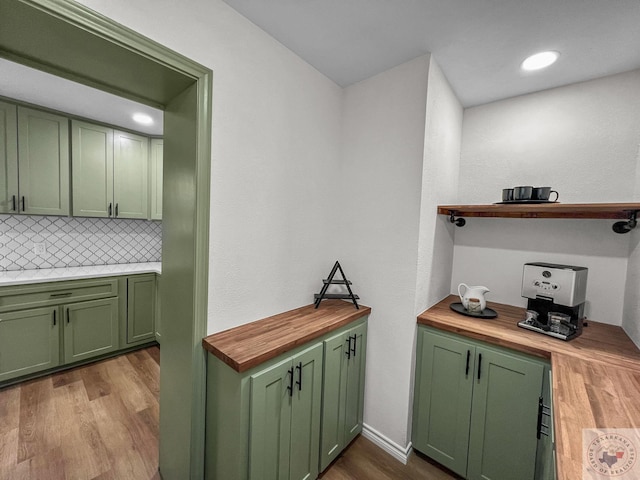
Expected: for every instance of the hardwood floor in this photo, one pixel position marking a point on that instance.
(100, 422)
(363, 460)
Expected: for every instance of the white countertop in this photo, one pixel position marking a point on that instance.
(22, 277)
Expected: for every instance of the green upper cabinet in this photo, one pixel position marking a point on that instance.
(476, 407)
(285, 417)
(43, 163)
(8, 158)
(92, 166)
(110, 172)
(342, 391)
(155, 178)
(131, 175)
(29, 341)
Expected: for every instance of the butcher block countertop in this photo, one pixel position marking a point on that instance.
(254, 343)
(596, 377)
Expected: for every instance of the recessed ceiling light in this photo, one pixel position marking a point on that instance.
(142, 118)
(540, 60)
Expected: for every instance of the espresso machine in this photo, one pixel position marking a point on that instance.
(556, 297)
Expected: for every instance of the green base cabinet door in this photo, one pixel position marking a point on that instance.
(90, 329)
(285, 416)
(342, 391)
(141, 303)
(29, 341)
(504, 417)
(476, 407)
(442, 402)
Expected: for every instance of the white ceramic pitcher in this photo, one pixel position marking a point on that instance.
(472, 292)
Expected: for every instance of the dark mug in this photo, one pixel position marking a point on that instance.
(522, 193)
(507, 194)
(543, 193)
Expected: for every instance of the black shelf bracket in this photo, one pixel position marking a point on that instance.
(626, 227)
(459, 222)
(318, 297)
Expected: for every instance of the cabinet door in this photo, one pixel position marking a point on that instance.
(442, 403)
(141, 301)
(504, 416)
(29, 341)
(305, 414)
(43, 162)
(333, 399)
(92, 169)
(90, 329)
(355, 365)
(130, 175)
(157, 146)
(8, 158)
(270, 423)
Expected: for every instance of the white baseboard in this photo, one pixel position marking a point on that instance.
(388, 445)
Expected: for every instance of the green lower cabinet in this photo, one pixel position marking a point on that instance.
(442, 402)
(266, 423)
(476, 407)
(141, 303)
(342, 391)
(285, 416)
(90, 329)
(29, 341)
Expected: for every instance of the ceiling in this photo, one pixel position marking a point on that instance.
(479, 44)
(43, 89)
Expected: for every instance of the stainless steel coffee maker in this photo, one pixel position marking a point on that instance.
(556, 296)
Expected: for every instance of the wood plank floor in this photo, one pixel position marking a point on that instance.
(100, 422)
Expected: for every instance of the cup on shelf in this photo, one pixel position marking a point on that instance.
(507, 194)
(522, 193)
(543, 193)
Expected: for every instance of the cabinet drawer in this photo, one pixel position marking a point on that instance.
(45, 294)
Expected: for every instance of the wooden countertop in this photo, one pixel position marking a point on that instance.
(596, 377)
(251, 344)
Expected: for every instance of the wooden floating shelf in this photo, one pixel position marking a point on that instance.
(544, 210)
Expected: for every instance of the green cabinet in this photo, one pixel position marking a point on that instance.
(8, 158)
(266, 422)
(476, 406)
(92, 169)
(141, 304)
(155, 178)
(90, 329)
(130, 175)
(29, 341)
(285, 417)
(110, 172)
(342, 391)
(43, 163)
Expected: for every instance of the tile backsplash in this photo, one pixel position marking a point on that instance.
(73, 241)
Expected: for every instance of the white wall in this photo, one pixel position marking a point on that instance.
(275, 149)
(440, 173)
(383, 143)
(583, 141)
(631, 312)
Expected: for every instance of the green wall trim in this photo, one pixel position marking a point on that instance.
(72, 41)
